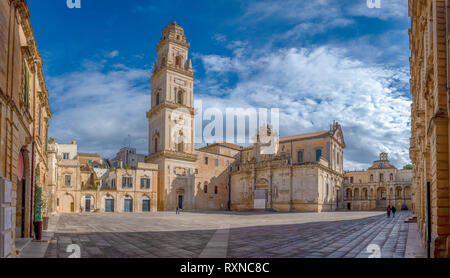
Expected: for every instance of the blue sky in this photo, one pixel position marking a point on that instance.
(317, 61)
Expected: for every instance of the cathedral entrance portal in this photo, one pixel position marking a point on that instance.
(261, 194)
(260, 201)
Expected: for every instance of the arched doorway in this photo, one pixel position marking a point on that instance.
(365, 196)
(109, 204)
(88, 203)
(128, 204)
(66, 203)
(381, 197)
(180, 197)
(145, 204)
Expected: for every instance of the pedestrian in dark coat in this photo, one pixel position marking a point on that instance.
(389, 211)
(393, 211)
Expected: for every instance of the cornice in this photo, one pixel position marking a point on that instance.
(172, 155)
(163, 42)
(168, 105)
(167, 68)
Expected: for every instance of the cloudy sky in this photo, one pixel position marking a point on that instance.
(317, 61)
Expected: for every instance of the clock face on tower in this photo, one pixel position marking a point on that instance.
(380, 165)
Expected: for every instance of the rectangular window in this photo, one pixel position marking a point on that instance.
(145, 183)
(127, 182)
(300, 157)
(67, 180)
(113, 183)
(65, 156)
(217, 162)
(318, 154)
(206, 161)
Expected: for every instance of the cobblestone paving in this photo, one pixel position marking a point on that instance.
(166, 235)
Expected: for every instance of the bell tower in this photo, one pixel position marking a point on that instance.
(171, 120)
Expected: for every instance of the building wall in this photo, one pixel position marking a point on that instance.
(429, 120)
(128, 156)
(214, 176)
(23, 126)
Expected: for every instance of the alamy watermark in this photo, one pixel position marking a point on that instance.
(371, 4)
(75, 251)
(234, 125)
(374, 250)
(71, 4)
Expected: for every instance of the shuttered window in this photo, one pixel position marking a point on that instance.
(26, 85)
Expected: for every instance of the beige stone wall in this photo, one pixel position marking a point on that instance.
(214, 176)
(19, 119)
(430, 126)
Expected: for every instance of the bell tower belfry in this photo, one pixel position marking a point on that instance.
(171, 119)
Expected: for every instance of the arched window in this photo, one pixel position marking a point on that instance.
(178, 61)
(180, 147)
(156, 145)
(351, 179)
(381, 177)
(216, 189)
(157, 100)
(205, 188)
(163, 61)
(180, 95)
(391, 177)
(371, 177)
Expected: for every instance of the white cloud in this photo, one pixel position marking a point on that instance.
(313, 87)
(291, 9)
(112, 54)
(100, 109)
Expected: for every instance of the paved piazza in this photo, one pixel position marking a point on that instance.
(219, 234)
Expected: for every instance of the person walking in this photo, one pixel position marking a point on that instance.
(389, 211)
(393, 211)
(178, 209)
